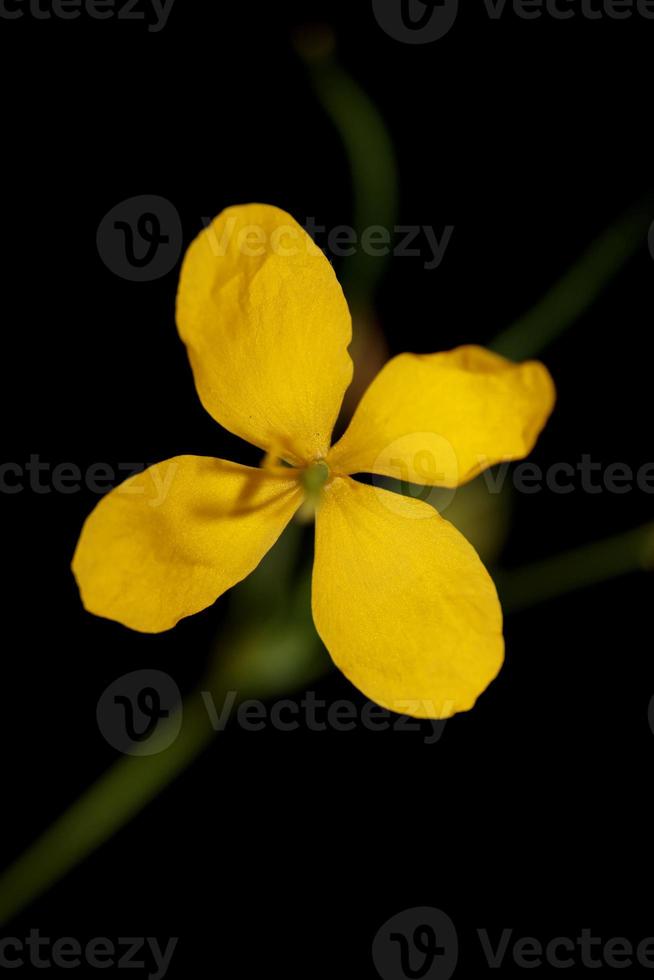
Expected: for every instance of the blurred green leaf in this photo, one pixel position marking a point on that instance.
(274, 654)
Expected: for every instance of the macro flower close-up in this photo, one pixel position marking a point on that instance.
(401, 600)
(326, 491)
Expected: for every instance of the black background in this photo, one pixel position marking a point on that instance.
(286, 852)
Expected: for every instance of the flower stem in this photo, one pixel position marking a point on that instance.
(122, 792)
(104, 808)
(571, 296)
(263, 655)
(370, 154)
(587, 565)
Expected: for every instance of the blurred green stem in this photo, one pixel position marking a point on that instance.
(371, 158)
(571, 296)
(578, 568)
(133, 782)
(107, 806)
(269, 648)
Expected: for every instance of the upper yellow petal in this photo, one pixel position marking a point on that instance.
(167, 542)
(402, 602)
(440, 419)
(267, 329)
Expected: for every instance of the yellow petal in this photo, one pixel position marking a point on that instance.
(402, 602)
(167, 542)
(440, 419)
(267, 329)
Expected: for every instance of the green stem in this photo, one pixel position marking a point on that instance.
(578, 288)
(577, 569)
(262, 659)
(133, 782)
(371, 158)
(103, 809)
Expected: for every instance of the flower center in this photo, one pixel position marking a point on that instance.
(314, 477)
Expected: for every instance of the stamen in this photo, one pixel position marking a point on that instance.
(314, 477)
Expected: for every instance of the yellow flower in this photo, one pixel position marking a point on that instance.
(400, 599)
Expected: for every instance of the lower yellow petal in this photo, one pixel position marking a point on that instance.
(167, 542)
(402, 602)
(440, 419)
